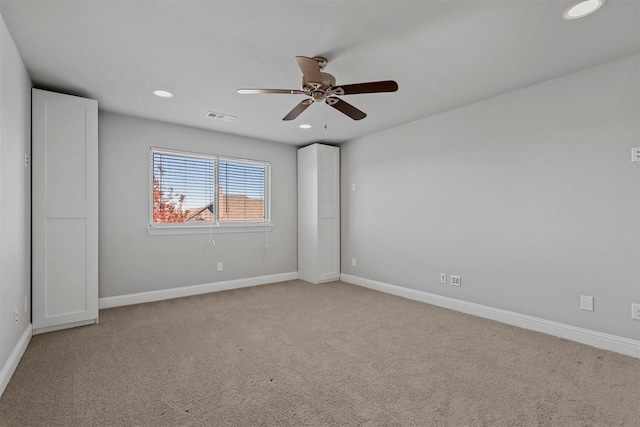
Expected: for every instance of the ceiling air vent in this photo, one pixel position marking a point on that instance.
(220, 116)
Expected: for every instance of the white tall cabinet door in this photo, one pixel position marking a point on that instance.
(64, 211)
(319, 213)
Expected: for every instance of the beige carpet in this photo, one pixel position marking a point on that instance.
(296, 354)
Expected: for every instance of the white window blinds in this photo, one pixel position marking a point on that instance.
(197, 189)
(242, 190)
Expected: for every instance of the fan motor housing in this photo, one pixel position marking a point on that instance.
(328, 81)
(319, 90)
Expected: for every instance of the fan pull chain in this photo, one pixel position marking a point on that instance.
(325, 116)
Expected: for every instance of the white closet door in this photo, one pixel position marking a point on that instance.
(329, 213)
(65, 211)
(319, 213)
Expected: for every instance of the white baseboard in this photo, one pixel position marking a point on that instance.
(601, 340)
(142, 297)
(14, 358)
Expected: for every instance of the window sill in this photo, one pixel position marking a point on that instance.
(165, 230)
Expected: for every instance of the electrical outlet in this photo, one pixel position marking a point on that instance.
(635, 311)
(353, 187)
(586, 303)
(443, 277)
(455, 280)
(353, 262)
(635, 154)
(15, 317)
(219, 266)
(27, 161)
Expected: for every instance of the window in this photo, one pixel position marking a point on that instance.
(191, 190)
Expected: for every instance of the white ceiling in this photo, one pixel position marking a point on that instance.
(443, 54)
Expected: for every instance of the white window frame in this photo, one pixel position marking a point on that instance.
(218, 226)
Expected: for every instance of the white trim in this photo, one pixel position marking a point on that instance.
(14, 358)
(597, 339)
(186, 291)
(158, 230)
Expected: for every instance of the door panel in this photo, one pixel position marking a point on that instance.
(65, 210)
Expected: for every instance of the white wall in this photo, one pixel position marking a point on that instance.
(132, 260)
(15, 203)
(530, 197)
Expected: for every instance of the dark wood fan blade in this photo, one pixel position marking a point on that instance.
(310, 69)
(371, 87)
(259, 91)
(298, 109)
(347, 109)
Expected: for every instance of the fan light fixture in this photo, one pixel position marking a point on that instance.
(162, 94)
(305, 126)
(582, 8)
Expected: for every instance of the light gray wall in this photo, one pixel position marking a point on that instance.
(132, 260)
(15, 194)
(530, 197)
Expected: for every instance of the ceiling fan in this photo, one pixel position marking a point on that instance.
(320, 86)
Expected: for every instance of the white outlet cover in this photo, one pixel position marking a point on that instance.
(586, 302)
(456, 280)
(635, 311)
(443, 277)
(635, 154)
(219, 266)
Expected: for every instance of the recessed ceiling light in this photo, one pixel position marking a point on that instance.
(582, 8)
(163, 94)
(305, 126)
